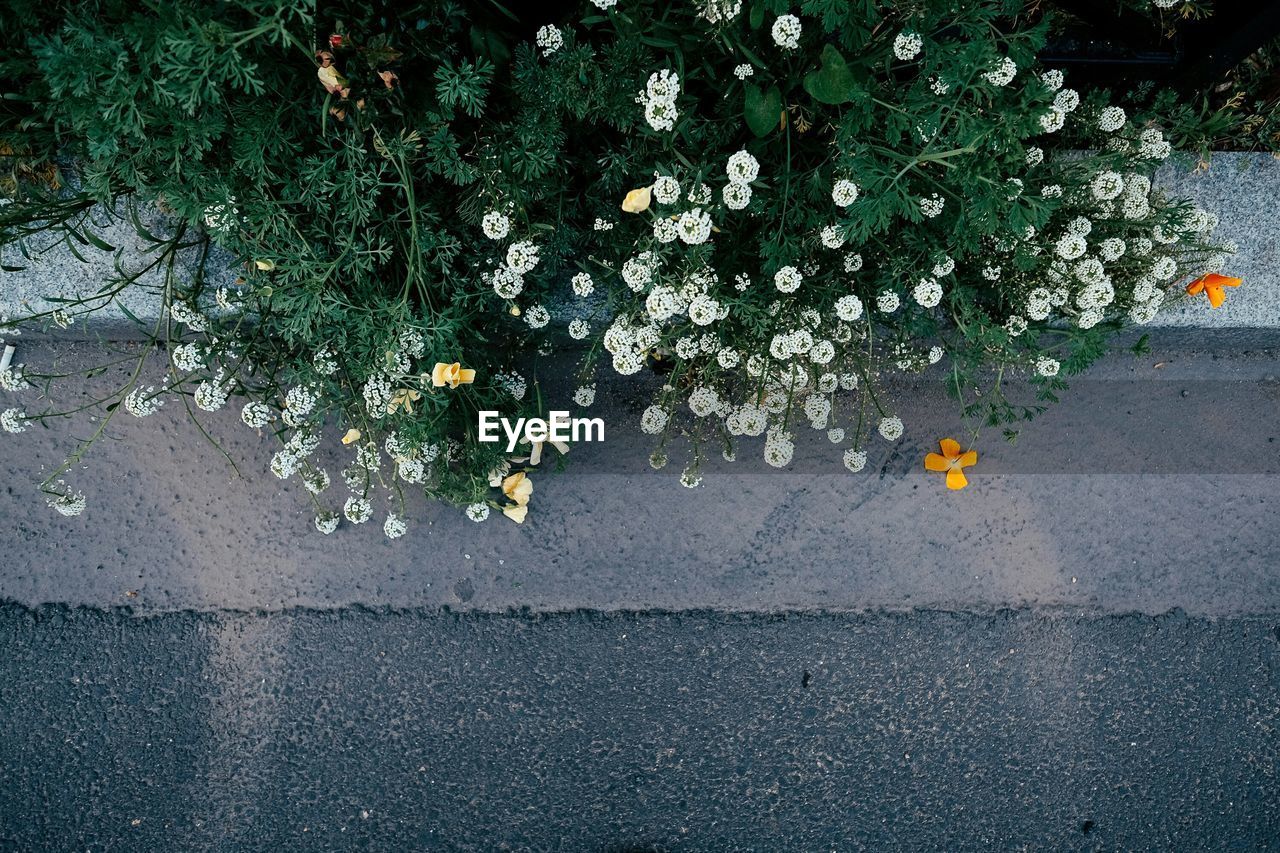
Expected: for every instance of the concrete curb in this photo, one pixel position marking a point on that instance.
(1241, 188)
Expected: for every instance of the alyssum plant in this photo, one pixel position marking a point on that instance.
(822, 198)
(778, 206)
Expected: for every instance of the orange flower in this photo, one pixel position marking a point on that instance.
(1212, 285)
(952, 461)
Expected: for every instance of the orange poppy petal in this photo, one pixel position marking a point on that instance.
(968, 458)
(956, 479)
(934, 462)
(1216, 295)
(1195, 287)
(1214, 278)
(950, 447)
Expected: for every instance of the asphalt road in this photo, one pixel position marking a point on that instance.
(414, 730)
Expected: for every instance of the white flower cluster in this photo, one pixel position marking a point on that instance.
(907, 45)
(786, 32)
(142, 402)
(659, 99)
(549, 39)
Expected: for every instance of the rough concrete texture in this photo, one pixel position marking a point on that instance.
(1153, 485)
(50, 268)
(366, 730)
(1242, 189)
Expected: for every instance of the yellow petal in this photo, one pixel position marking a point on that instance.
(638, 200)
(950, 447)
(265, 266)
(1216, 295)
(353, 434)
(518, 487)
(466, 376)
(935, 462)
(516, 512)
(956, 479)
(443, 374)
(968, 459)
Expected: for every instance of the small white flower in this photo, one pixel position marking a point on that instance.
(786, 32)
(736, 196)
(844, 193)
(357, 510)
(743, 71)
(522, 256)
(888, 302)
(928, 293)
(394, 527)
(495, 225)
(579, 329)
(890, 428)
(1047, 367)
(932, 206)
(694, 226)
(1002, 74)
(13, 420)
(848, 308)
(833, 237)
(666, 189)
(142, 402)
(907, 45)
(537, 316)
(326, 522)
(855, 460)
(1111, 119)
(787, 279)
(550, 40)
(742, 167)
(1035, 156)
(1053, 120)
(582, 284)
(585, 396)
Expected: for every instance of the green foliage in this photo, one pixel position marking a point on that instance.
(424, 193)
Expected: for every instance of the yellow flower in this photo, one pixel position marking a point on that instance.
(516, 512)
(952, 461)
(452, 375)
(518, 487)
(352, 435)
(637, 201)
(404, 397)
(265, 266)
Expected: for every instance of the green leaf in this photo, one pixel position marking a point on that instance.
(757, 15)
(762, 110)
(833, 83)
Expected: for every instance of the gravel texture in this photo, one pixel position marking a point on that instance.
(624, 732)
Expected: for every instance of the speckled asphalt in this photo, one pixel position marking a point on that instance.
(842, 672)
(622, 732)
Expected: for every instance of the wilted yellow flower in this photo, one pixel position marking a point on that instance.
(518, 487)
(637, 201)
(452, 375)
(353, 434)
(265, 266)
(516, 512)
(404, 397)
